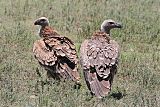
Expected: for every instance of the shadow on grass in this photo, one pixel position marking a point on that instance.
(117, 95)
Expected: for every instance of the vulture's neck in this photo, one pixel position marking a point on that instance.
(107, 31)
(100, 34)
(47, 31)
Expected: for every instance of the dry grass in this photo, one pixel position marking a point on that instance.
(137, 82)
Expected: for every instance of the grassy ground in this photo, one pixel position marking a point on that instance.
(137, 82)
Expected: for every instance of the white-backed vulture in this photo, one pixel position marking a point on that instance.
(56, 53)
(99, 59)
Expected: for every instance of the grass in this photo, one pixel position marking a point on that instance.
(137, 82)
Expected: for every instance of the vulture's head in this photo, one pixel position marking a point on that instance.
(109, 24)
(42, 21)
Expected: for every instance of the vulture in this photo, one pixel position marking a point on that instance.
(99, 59)
(56, 53)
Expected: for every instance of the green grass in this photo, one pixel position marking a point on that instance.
(137, 82)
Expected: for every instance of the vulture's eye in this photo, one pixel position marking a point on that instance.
(111, 23)
(43, 20)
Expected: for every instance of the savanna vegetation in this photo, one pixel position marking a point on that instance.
(22, 80)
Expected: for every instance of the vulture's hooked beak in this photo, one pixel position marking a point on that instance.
(36, 22)
(118, 25)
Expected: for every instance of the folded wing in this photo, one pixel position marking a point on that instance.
(58, 56)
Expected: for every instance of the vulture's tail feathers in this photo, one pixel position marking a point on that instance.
(98, 87)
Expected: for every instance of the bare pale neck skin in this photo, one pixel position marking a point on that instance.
(106, 30)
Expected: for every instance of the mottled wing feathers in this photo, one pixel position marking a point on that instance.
(101, 52)
(84, 60)
(99, 58)
(67, 57)
(63, 47)
(58, 52)
(43, 54)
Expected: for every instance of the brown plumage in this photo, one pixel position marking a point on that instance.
(56, 53)
(99, 59)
